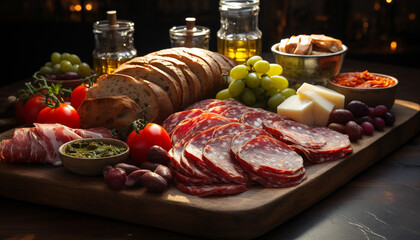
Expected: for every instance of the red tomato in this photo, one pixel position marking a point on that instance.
(78, 95)
(64, 114)
(20, 113)
(32, 107)
(152, 134)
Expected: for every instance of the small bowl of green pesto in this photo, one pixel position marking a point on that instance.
(90, 155)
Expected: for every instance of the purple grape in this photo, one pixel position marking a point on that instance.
(368, 128)
(380, 110)
(371, 112)
(389, 119)
(358, 108)
(71, 75)
(379, 123)
(360, 120)
(353, 130)
(340, 116)
(115, 178)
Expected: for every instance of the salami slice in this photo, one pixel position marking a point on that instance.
(176, 153)
(337, 146)
(212, 189)
(217, 157)
(185, 126)
(230, 129)
(230, 102)
(202, 104)
(173, 120)
(256, 117)
(209, 123)
(244, 136)
(218, 109)
(265, 152)
(292, 132)
(272, 183)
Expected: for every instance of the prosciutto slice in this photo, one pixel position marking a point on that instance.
(39, 144)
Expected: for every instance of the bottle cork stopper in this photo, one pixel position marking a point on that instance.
(112, 17)
(190, 22)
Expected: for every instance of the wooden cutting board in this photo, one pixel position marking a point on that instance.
(243, 216)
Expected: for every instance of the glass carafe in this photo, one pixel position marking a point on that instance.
(114, 45)
(239, 37)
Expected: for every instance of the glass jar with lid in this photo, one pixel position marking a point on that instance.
(114, 43)
(239, 37)
(190, 35)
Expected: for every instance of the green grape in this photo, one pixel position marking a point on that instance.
(46, 70)
(55, 57)
(239, 72)
(229, 79)
(275, 69)
(252, 80)
(261, 66)
(259, 93)
(66, 66)
(57, 69)
(270, 92)
(84, 69)
(275, 100)
(65, 56)
(252, 60)
(266, 82)
(75, 68)
(49, 64)
(288, 92)
(236, 88)
(74, 59)
(248, 97)
(223, 94)
(280, 82)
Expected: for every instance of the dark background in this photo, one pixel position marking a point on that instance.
(33, 29)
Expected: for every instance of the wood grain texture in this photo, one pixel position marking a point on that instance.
(242, 216)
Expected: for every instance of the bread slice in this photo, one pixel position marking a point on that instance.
(197, 66)
(156, 76)
(170, 69)
(115, 112)
(217, 79)
(144, 93)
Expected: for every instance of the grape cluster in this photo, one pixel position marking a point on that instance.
(359, 119)
(257, 83)
(65, 66)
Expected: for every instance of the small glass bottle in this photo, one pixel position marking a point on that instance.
(114, 43)
(239, 37)
(190, 35)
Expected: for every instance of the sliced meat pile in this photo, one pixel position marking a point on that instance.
(39, 144)
(222, 147)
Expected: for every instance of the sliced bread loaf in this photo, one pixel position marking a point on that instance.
(142, 92)
(156, 76)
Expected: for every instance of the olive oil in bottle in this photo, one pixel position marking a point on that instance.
(106, 65)
(239, 50)
(239, 37)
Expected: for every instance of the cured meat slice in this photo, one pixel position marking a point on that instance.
(201, 104)
(173, 120)
(230, 102)
(267, 153)
(100, 132)
(39, 144)
(210, 123)
(217, 157)
(218, 109)
(274, 183)
(337, 146)
(292, 132)
(244, 136)
(230, 129)
(256, 117)
(176, 153)
(234, 111)
(212, 189)
(185, 126)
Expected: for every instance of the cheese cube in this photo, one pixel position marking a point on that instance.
(321, 109)
(336, 98)
(298, 109)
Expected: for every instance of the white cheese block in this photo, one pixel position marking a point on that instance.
(321, 109)
(336, 98)
(298, 109)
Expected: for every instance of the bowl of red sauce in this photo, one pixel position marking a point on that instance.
(371, 88)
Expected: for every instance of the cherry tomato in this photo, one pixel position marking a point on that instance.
(78, 95)
(20, 113)
(151, 134)
(32, 107)
(64, 114)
